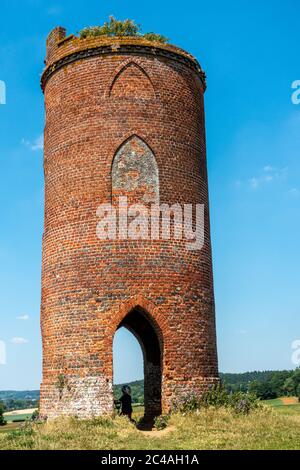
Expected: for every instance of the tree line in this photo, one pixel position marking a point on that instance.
(265, 385)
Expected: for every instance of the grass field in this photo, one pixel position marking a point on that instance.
(285, 409)
(15, 420)
(20, 417)
(207, 429)
(9, 427)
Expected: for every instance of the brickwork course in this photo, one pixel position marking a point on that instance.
(124, 117)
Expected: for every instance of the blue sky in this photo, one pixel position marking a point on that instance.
(249, 52)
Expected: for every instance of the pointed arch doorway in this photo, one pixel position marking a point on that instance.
(140, 324)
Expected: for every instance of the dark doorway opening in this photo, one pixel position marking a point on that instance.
(140, 324)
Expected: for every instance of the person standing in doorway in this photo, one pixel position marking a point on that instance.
(126, 402)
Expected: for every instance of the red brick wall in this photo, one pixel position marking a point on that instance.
(90, 286)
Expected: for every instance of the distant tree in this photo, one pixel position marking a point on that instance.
(263, 390)
(266, 385)
(296, 379)
(289, 387)
(2, 420)
(277, 381)
(292, 383)
(254, 387)
(298, 392)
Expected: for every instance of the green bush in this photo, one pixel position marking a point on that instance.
(243, 403)
(161, 422)
(186, 403)
(156, 37)
(112, 28)
(217, 397)
(119, 28)
(240, 402)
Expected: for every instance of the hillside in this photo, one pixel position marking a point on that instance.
(137, 389)
(19, 400)
(19, 395)
(266, 385)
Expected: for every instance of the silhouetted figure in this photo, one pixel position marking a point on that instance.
(126, 402)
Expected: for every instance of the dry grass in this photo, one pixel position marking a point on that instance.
(208, 429)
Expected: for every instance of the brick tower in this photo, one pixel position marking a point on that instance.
(124, 117)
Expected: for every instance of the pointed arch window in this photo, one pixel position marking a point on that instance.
(135, 173)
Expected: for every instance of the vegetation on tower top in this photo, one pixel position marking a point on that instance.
(118, 28)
